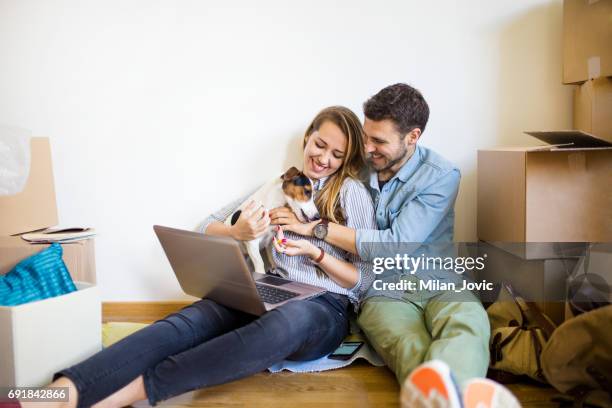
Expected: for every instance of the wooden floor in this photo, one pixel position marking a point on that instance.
(360, 385)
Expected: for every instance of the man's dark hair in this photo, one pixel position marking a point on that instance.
(400, 103)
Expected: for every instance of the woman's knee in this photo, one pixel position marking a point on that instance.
(202, 318)
(301, 318)
(314, 328)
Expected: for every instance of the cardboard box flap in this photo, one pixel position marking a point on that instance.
(526, 149)
(569, 139)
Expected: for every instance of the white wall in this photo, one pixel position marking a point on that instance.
(159, 112)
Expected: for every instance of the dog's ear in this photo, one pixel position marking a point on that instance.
(291, 173)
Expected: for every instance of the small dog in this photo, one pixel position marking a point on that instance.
(292, 188)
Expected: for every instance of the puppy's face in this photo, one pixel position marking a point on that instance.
(298, 190)
(297, 186)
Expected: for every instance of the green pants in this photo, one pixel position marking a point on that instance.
(407, 333)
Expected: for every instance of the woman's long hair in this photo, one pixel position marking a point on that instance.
(353, 164)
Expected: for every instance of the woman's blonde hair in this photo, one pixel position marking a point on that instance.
(353, 163)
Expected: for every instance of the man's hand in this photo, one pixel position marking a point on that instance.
(252, 223)
(283, 216)
(302, 229)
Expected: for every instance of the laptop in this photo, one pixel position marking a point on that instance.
(214, 268)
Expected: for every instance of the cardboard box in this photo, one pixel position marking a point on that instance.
(35, 207)
(587, 35)
(543, 281)
(542, 250)
(79, 256)
(40, 338)
(547, 193)
(593, 107)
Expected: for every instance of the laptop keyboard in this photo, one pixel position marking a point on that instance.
(274, 295)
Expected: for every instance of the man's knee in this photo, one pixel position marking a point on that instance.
(462, 319)
(376, 314)
(389, 318)
(397, 332)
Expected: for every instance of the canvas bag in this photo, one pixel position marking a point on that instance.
(577, 360)
(519, 332)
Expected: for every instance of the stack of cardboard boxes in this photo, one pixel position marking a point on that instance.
(39, 338)
(536, 205)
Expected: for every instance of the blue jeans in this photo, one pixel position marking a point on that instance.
(206, 344)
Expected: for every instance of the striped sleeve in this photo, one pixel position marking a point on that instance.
(222, 214)
(359, 212)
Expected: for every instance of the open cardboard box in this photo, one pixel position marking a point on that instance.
(555, 193)
(35, 208)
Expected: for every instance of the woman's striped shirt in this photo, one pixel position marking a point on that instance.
(358, 209)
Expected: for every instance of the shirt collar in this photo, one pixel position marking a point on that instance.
(318, 184)
(410, 166)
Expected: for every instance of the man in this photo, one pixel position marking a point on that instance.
(414, 191)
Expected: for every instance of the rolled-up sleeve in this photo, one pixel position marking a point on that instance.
(359, 212)
(417, 219)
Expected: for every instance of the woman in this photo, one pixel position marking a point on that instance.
(205, 343)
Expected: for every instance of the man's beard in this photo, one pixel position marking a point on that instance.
(392, 162)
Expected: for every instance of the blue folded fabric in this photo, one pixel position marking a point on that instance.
(38, 277)
(325, 363)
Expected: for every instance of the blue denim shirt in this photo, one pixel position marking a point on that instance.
(415, 206)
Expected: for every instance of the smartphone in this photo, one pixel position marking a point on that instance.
(346, 350)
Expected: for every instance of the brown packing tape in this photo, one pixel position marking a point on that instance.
(594, 67)
(582, 112)
(577, 162)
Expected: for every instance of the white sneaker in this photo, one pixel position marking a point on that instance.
(430, 385)
(485, 393)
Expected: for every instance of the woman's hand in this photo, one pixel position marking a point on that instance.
(305, 229)
(251, 224)
(286, 217)
(297, 247)
(283, 216)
